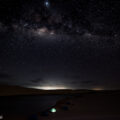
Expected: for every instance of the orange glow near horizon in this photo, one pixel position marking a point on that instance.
(98, 88)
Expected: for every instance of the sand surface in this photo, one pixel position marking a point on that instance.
(88, 107)
(94, 106)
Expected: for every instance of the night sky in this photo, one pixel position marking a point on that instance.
(60, 44)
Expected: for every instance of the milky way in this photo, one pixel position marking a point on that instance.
(64, 44)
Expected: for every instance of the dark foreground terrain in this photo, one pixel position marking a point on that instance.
(91, 105)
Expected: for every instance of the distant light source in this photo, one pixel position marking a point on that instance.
(49, 87)
(1, 117)
(53, 110)
(98, 89)
(47, 4)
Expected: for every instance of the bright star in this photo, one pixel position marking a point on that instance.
(47, 4)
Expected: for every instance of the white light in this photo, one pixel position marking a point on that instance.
(47, 4)
(51, 88)
(1, 117)
(53, 110)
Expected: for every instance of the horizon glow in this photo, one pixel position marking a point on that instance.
(50, 87)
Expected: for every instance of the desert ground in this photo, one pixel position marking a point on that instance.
(95, 105)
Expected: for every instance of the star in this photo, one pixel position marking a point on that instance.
(47, 4)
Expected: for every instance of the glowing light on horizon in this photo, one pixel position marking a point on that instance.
(97, 89)
(50, 87)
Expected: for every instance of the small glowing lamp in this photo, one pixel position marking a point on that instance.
(53, 110)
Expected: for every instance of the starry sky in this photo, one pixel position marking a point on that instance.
(60, 44)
